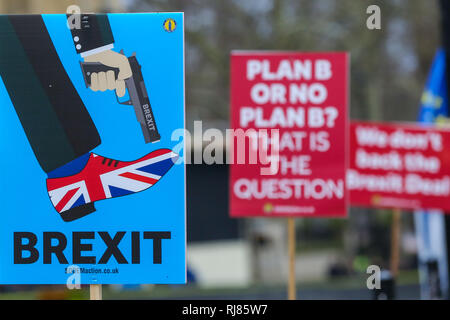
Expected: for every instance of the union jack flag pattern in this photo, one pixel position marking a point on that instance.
(104, 178)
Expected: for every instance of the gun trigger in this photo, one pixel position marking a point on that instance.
(128, 103)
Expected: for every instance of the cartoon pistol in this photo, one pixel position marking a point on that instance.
(137, 93)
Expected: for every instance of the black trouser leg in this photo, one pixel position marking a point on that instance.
(53, 116)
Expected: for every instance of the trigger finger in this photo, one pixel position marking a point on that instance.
(120, 88)
(110, 80)
(94, 81)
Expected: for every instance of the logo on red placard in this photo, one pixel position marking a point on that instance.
(268, 208)
(376, 199)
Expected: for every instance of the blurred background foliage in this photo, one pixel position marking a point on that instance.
(388, 66)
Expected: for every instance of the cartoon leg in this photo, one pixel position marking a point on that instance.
(53, 116)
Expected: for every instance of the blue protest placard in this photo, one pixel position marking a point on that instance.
(91, 182)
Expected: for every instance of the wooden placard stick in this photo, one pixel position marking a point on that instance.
(395, 241)
(95, 291)
(291, 249)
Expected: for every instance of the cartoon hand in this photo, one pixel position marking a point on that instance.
(103, 81)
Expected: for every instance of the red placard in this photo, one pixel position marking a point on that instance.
(295, 105)
(403, 166)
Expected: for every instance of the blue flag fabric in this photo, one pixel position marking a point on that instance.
(434, 98)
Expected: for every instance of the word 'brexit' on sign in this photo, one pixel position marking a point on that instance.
(79, 246)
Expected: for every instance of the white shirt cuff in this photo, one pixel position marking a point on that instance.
(97, 50)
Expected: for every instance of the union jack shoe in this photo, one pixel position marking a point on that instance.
(102, 178)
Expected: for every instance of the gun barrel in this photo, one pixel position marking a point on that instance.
(141, 102)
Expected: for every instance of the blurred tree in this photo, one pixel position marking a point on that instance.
(388, 65)
(58, 6)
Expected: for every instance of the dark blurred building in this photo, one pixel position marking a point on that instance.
(207, 204)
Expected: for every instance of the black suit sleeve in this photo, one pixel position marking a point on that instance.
(55, 120)
(95, 32)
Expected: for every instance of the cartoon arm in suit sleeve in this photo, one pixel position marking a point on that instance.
(94, 41)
